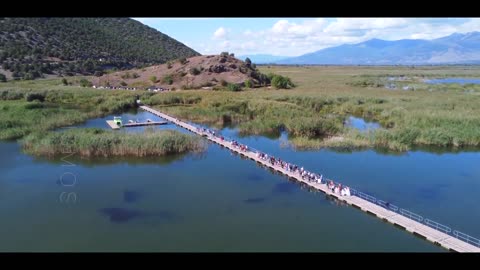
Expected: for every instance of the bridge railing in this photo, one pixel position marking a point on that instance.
(437, 226)
(467, 238)
(354, 192)
(388, 206)
(411, 215)
(366, 197)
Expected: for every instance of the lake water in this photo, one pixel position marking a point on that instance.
(453, 80)
(217, 201)
(361, 124)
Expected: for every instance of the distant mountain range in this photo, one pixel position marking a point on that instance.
(263, 58)
(453, 49)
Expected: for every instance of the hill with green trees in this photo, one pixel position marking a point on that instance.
(36, 47)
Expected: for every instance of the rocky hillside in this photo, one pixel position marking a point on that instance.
(35, 47)
(191, 73)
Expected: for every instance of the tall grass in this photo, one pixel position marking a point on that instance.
(26, 110)
(313, 113)
(91, 142)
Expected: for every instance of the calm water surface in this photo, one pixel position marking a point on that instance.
(216, 201)
(453, 80)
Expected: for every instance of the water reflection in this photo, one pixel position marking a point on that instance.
(131, 196)
(255, 200)
(453, 80)
(361, 124)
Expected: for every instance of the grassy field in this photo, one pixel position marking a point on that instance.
(314, 112)
(106, 143)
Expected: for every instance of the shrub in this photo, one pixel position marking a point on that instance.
(64, 81)
(85, 83)
(98, 73)
(194, 71)
(234, 87)
(28, 76)
(126, 75)
(153, 79)
(248, 83)
(223, 82)
(3, 78)
(123, 83)
(183, 60)
(167, 79)
(281, 82)
(35, 96)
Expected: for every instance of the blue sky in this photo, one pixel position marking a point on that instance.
(296, 36)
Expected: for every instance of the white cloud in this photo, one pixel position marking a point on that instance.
(147, 20)
(220, 33)
(292, 38)
(225, 44)
(248, 33)
(249, 45)
(293, 30)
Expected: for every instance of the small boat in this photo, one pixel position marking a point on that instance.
(117, 120)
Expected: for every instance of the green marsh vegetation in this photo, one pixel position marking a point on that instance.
(32, 110)
(314, 112)
(44, 105)
(91, 142)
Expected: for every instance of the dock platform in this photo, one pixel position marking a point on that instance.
(113, 125)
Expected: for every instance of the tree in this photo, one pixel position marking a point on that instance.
(248, 61)
(28, 76)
